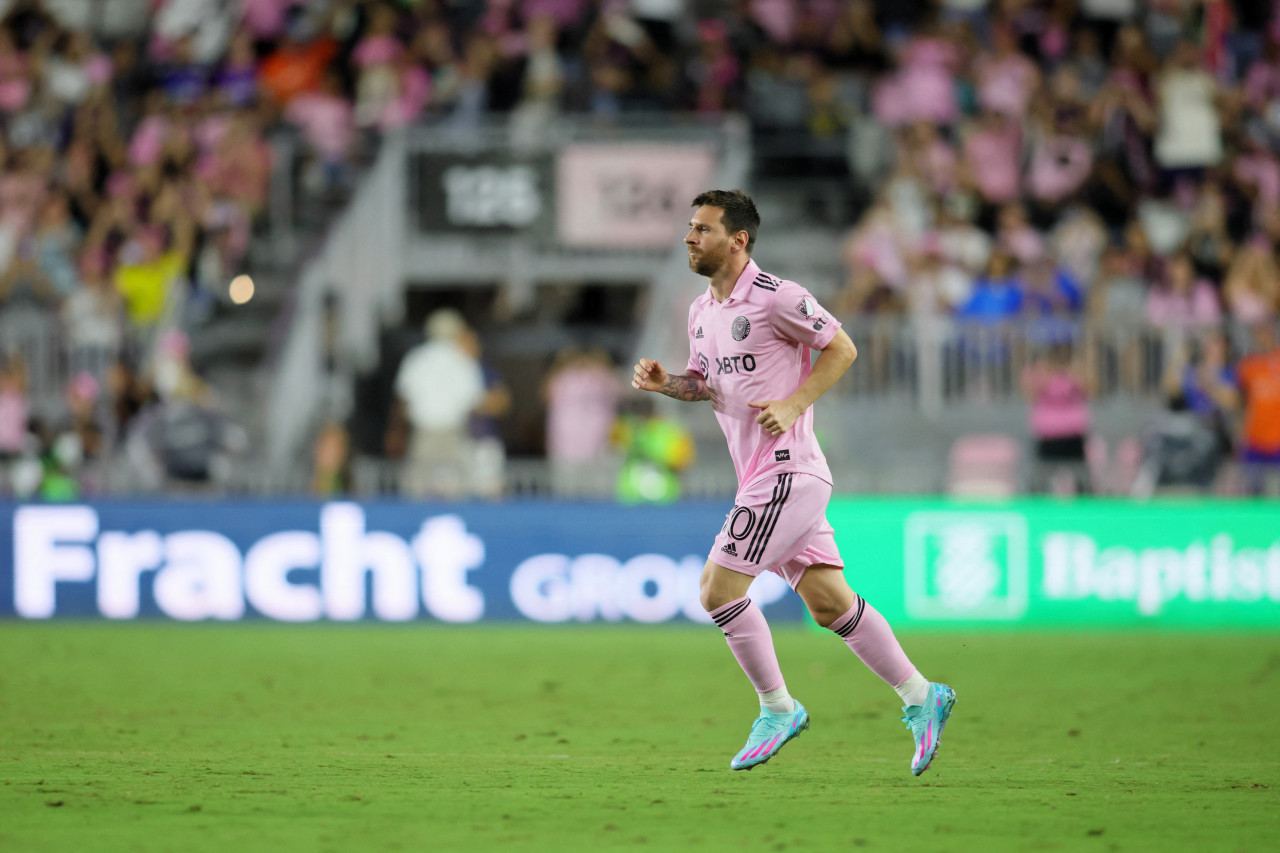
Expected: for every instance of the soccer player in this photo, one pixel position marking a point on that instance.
(749, 340)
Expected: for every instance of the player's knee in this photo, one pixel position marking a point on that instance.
(713, 595)
(826, 594)
(824, 613)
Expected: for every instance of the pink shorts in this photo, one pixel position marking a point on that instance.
(779, 525)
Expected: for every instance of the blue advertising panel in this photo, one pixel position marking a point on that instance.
(392, 561)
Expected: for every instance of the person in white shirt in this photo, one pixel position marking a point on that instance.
(438, 385)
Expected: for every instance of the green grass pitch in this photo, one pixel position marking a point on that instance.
(370, 737)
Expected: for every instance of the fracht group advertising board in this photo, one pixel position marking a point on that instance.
(920, 562)
(341, 561)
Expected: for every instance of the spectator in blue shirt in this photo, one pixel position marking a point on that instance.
(997, 293)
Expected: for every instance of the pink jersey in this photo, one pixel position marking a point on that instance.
(754, 347)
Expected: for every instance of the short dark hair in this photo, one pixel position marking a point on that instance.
(739, 212)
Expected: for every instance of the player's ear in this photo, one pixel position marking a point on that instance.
(740, 241)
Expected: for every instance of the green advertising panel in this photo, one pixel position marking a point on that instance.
(1086, 562)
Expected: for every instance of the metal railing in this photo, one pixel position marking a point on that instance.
(932, 362)
(34, 336)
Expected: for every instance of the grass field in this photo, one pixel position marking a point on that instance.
(341, 738)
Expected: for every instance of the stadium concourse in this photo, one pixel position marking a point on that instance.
(1050, 228)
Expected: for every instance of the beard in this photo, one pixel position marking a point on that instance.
(705, 264)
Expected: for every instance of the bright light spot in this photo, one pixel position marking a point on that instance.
(241, 290)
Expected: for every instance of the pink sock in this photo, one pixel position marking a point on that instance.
(867, 633)
(749, 639)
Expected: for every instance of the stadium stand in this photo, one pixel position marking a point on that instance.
(967, 184)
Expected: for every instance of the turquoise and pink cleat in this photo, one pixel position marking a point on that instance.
(926, 723)
(769, 733)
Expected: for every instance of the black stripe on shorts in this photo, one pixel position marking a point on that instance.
(769, 519)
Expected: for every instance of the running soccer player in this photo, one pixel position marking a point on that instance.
(749, 340)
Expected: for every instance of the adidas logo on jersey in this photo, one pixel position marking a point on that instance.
(730, 550)
(697, 336)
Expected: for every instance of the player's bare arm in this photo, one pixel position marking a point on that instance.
(777, 416)
(686, 387)
(649, 375)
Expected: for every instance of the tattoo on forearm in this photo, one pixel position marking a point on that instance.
(687, 388)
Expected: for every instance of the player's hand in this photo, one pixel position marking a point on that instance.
(649, 375)
(776, 416)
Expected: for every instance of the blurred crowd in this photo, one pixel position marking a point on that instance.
(1115, 160)
(134, 169)
(1109, 159)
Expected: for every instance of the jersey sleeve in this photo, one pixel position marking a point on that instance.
(797, 316)
(694, 365)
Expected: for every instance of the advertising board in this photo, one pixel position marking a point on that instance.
(340, 561)
(1084, 562)
(920, 562)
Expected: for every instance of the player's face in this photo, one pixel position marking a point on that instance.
(708, 241)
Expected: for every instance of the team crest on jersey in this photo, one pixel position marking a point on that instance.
(807, 307)
(741, 328)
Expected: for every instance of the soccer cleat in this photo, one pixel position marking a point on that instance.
(926, 723)
(769, 733)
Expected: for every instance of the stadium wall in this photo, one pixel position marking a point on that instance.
(921, 562)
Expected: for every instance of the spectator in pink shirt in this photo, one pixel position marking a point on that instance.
(875, 257)
(582, 394)
(15, 81)
(992, 157)
(715, 69)
(1006, 78)
(1262, 81)
(432, 50)
(924, 88)
(327, 121)
(933, 158)
(1061, 154)
(265, 19)
(1251, 289)
(1182, 299)
(1057, 387)
(1015, 234)
(413, 93)
(1257, 172)
(148, 137)
(237, 170)
(376, 57)
(776, 17)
